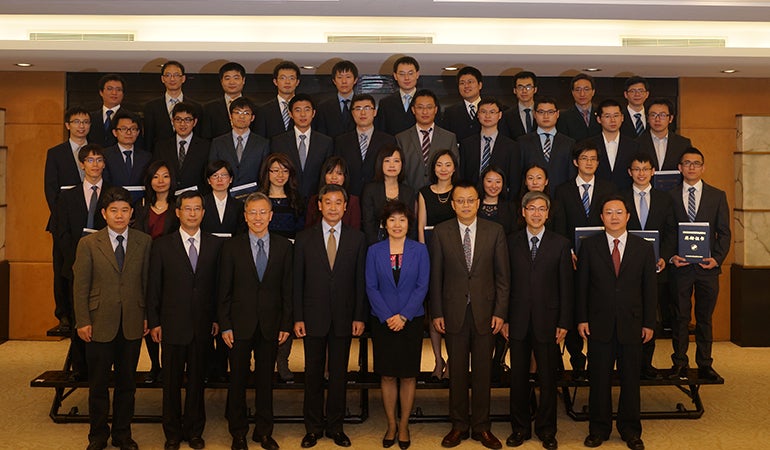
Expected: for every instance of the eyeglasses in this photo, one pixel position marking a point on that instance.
(128, 129)
(184, 119)
(636, 91)
(641, 169)
(695, 164)
(546, 112)
(254, 212)
(582, 90)
(287, 78)
(663, 116)
(540, 209)
(524, 87)
(241, 113)
(78, 122)
(94, 160)
(366, 108)
(611, 116)
(173, 75)
(220, 176)
(464, 201)
(189, 209)
(588, 159)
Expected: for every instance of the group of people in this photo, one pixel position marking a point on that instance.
(221, 231)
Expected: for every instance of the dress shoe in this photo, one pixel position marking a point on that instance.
(267, 442)
(487, 439)
(171, 445)
(239, 443)
(64, 325)
(310, 440)
(403, 445)
(284, 373)
(549, 442)
(126, 444)
(387, 443)
(708, 373)
(196, 442)
(678, 372)
(96, 446)
(516, 439)
(454, 437)
(340, 438)
(152, 376)
(650, 373)
(593, 440)
(634, 443)
(579, 375)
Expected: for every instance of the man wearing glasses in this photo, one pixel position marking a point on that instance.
(461, 118)
(578, 121)
(112, 87)
(546, 147)
(158, 122)
(126, 162)
(185, 151)
(520, 119)
(395, 112)
(664, 147)
(615, 148)
(636, 91)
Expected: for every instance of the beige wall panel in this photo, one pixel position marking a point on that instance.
(31, 309)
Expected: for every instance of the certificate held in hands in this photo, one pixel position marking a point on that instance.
(694, 241)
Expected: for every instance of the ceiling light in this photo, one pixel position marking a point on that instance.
(592, 69)
(450, 68)
(308, 67)
(24, 64)
(728, 70)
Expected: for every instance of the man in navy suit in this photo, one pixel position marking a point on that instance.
(158, 120)
(636, 91)
(546, 146)
(329, 308)
(520, 118)
(126, 162)
(274, 117)
(616, 149)
(186, 152)
(394, 111)
(663, 146)
(461, 118)
(216, 113)
(112, 88)
(578, 121)
(333, 117)
(615, 311)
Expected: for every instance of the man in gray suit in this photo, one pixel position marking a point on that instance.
(419, 143)
(469, 286)
(110, 283)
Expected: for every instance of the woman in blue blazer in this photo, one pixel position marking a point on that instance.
(397, 278)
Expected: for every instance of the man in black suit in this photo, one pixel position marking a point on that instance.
(125, 161)
(469, 287)
(306, 148)
(490, 147)
(255, 314)
(615, 148)
(615, 311)
(241, 147)
(461, 118)
(636, 91)
(186, 152)
(181, 316)
(578, 121)
(158, 118)
(664, 147)
(333, 117)
(539, 315)
(274, 117)
(696, 201)
(394, 111)
(520, 118)
(216, 113)
(112, 87)
(360, 147)
(546, 146)
(329, 308)
(62, 172)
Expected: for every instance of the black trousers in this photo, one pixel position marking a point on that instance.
(240, 361)
(648, 349)
(315, 357)
(61, 287)
(706, 288)
(547, 357)
(177, 425)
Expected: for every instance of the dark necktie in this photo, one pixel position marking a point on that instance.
(586, 117)
(691, 204)
(534, 246)
(547, 147)
(120, 252)
(425, 145)
(108, 122)
(182, 152)
(261, 259)
(193, 254)
(345, 112)
(472, 109)
(486, 153)
(129, 164)
(285, 114)
(528, 119)
(363, 144)
(616, 256)
(239, 148)
(92, 207)
(467, 248)
(638, 124)
(585, 199)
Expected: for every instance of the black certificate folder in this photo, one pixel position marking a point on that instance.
(694, 241)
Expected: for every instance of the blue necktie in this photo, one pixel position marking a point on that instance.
(261, 259)
(486, 154)
(691, 205)
(120, 252)
(638, 124)
(92, 207)
(193, 254)
(107, 121)
(407, 101)
(129, 164)
(585, 199)
(285, 114)
(644, 209)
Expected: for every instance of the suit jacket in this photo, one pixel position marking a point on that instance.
(674, 149)
(542, 291)
(457, 120)
(180, 300)
(269, 121)
(572, 124)
(391, 116)
(191, 172)
(505, 155)
(97, 135)
(157, 121)
(628, 127)
(108, 299)
(115, 167)
(417, 173)
(232, 220)
(714, 210)
(560, 167)
(246, 303)
(511, 125)
(329, 299)
(69, 218)
(330, 120)
(321, 148)
(451, 283)
(660, 217)
(568, 211)
(373, 200)
(255, 150)
(141, 219)
(60, 170)
(627, 148)
(360, 171)
(387, 298)
(621, 304)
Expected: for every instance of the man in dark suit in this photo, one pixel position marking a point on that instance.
(461, 118)
(307, 149)
(110, 283)
(615, 148)
(158, 118)
(274, 117)
(333, 117)
(125, 161)
(329, 308)
(186, 152)
(62, 172)
(546, 146)
(636, 91)
(112, 87)
(615, 311)
(490, 147)
(696, 201)
(420, 142)
(181, 317)
(578, 121)
(360, 147)
(394, 111)
(469, 287)
(519, 119)
(539, 315)
(216, 113)
(652, 210)
(243, 149)
(255, 314)
(664, 147)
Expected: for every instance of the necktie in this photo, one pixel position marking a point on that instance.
(425, 145)
(261, 260)
(616, 256)
(407, 101)
(239, 148)
(193, 254)
(586, 117)
(528, 119)
(363, 144)
(691, 204)
(107, 121)
(302, 150)
(534, 246)
(486, 153)
(120, 252)
(182, 152)
(129, 165)
(585, 199)
(547, 147)
(345, 112)
(467, 248)
(638, 124)
(171, 103)
(644, 209)
(472, 109)
(285, 114)
(92, 206)
(331, 248)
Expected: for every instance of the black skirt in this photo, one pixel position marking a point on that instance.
(397, 354)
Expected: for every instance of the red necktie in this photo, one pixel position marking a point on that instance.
(616, 256)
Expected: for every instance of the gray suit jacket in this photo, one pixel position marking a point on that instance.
(410, 143)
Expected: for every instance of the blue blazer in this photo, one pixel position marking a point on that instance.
(388, 299)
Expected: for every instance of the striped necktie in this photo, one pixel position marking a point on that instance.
(585, 199)
(691, 204)
(547, 147)
(486, 153)
(425, 145)
(638, 124)
(285, 114)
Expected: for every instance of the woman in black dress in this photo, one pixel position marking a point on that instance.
(223, 213)
(278, 180)
(494, 200)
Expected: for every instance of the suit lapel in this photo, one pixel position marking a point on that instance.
(179, 249)
(105, 246)
(605, 253)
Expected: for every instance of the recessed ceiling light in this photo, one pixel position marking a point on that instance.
(24, 64)
(592, 69)
(728, 70)
(450, 68)
(308, 67)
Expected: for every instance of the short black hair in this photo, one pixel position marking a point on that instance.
(171, 63)
(285, 65)
(123, 114)
(183, 107)
(434, 160)
(546, 99)
(470, 70)
(114, 194)
(608, 103)
(692, 151)
(425, 93)
(525, 74)
(490, 101)
(406, 60)
(582, 76)
(615, 198)
(463, 184)
(392, 207)
(75, 111)
(301, 98)
(329, 188)
(363, 98)
(242, 103)
(231, 66)
(641, 157)
(87, 149)
(192, 193)
(344, 66)
(636, 80)
(111, 77)
(215, 166)
(582, 147)
(665, 102)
